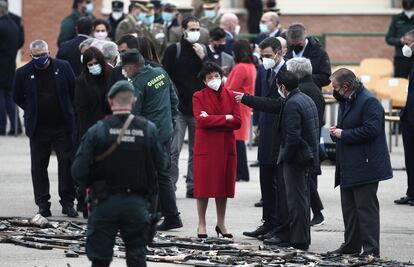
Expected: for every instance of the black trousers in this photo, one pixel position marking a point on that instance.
(242, 168)
(297, 193)
(315, 200)
(408, 142)
(166, 193)
(360, 211)
(268, 188)
(402, 66)
(41, 145)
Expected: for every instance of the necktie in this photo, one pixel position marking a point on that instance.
(271, 77)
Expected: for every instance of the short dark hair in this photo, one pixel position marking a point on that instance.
(217, 34)
(129, 40)
(271, 42)
(102, 22)
(84, 26)
(408, 4)
(346, 77)
(289, 79)
(76, 3)
(242, 52)
(209, 67)
(187, 20)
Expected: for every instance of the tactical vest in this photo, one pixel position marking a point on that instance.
(130, 168)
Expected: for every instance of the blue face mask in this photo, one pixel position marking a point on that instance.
(95, 69)
(89, 8)
(210, 13)
(147, 20)
(263, 28)
(41, 62)
(167, 17)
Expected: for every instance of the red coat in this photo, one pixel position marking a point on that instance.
(242, 78)
(214, 159)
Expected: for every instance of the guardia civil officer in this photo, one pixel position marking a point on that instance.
(119, 157)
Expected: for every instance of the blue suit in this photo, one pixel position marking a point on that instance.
(269, 180)
(25, 94)
(229, 44)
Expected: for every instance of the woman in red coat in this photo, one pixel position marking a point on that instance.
(217, 115)
(242, 79)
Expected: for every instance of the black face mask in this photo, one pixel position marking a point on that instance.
(338, 96)
(297, 48)
(219, 48)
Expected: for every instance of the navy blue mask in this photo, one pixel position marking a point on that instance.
(41, 62)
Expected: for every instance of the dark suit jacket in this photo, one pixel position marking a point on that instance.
(264, 120)
(361, 152)
(309, 88)
(300, 131)
(9, 44)
(408, 111)
(69, 51)
(25, 94)
(263, 36)
(229, 44)
(321, 66)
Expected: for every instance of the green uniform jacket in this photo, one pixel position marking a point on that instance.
(95, 141)
(157, 99)
(211, 23)
(400, 24)
(68, 27)
(126, 25)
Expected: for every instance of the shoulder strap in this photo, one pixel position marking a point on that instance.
(114, 145)
(178, 52)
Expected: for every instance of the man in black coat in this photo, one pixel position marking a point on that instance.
(269, 26)
(301, 45)
(69, 50)
(263, 125)
(303, 68)
(115, 17)
(44, 89)
(299, 154)
(407, 125)
(9, 45)
(362, 161)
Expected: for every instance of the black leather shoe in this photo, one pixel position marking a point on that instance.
(302, 246)
(261, 230)
(403, 200)
(411, 202)
(169, 223)
(268, 235)
(369, 254)
(45, 212)
(70, 212)
(342, 250)
(259, 204)
(275, 241)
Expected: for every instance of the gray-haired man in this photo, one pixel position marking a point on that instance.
(44, 89)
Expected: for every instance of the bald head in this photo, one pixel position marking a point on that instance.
(229, 22)
(283, 42)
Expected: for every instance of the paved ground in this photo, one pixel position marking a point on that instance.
(16, 199)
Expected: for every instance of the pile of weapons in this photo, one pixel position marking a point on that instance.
(40, 233)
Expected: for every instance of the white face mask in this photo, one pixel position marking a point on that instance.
(214, 84)
(409, 13)
(268, 63)
(116, 15)
(100, 35)
(263, 28)
(193, 37)
(406, 51)
(237, 29)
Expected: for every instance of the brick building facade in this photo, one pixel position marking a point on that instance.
(42, 21)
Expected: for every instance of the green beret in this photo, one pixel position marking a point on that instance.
(120, 86)
(130, 56)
